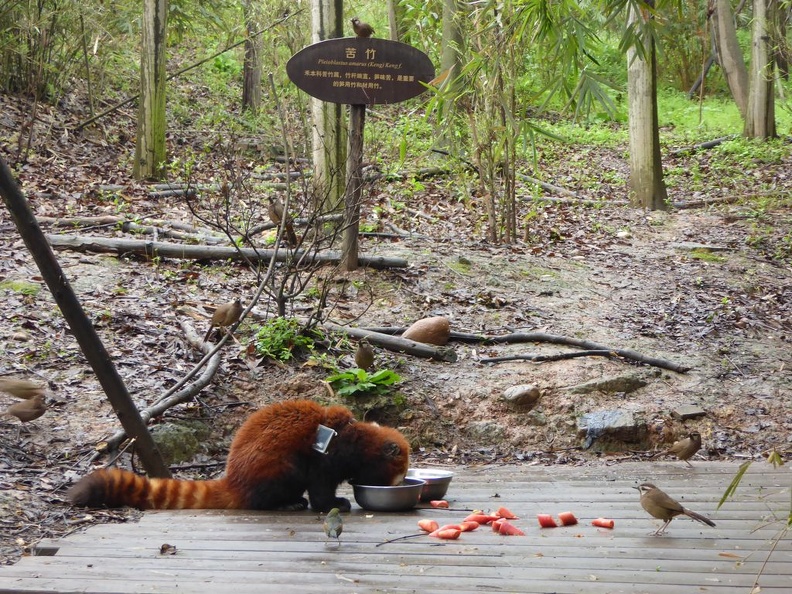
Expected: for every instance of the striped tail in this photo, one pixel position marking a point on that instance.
(117, 488)
(698, 517)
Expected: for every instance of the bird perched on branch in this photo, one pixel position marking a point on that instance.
(684, 449)
(20, 388)
(364, 355)
(661, 506)
(276, 213)
(362, 29)
(333, 524)
(225, 315)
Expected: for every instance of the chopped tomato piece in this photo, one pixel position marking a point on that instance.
(497, 524)
(509, 529)
(546, 521)
(505, 513)
(428, 525)
(468, 526)
(446, 533)
(603, 523)
(481, 518)
(439, 503)
(567, 519)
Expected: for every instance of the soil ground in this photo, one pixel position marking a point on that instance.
(708, 287)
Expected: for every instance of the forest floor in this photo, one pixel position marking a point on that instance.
(707, 287)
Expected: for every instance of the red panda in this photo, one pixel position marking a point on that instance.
(271, 464)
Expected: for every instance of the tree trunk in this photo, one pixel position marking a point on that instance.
(760, 116)
(150, 153)
(646, 167)
(451, 61)
(251, 88)
(730, 55)
(329, 131)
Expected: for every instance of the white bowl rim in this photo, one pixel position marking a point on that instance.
(414, 482)
(429, 473)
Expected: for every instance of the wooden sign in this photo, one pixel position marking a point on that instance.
(360, 71)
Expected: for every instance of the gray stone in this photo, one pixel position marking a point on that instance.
(688, 411)
(611, 430)
(523, 396)
(486, 430)
(610, 385)
(180, 442)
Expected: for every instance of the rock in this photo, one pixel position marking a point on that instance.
(180, 442)
(488, 431)
(434, 330)
(611, 430)
(688, 411)
(609, 385)
(522, 396)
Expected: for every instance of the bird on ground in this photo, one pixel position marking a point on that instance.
(276, 213)
(333, 524)
(28, 410)
(225, 315)
(20, 388)
(684, 449)
(362, 29)
(364, 355)
(661, 506)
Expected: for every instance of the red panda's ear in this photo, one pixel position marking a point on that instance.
(391, 450)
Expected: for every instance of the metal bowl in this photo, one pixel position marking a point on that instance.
(437, 482)
(398, 498)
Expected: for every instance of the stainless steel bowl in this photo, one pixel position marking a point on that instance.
(398, 498)
(437, 482)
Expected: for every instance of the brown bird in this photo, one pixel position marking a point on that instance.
(659, 505)
(334, 525)
(20, 388)
(364, 355)
(28, 410)
(225, 315)
(275, 211)
(362, 29)
(684, 449)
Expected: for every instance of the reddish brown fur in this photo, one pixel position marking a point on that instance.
(270, 465)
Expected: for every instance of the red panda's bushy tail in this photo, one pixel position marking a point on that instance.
(117, 488)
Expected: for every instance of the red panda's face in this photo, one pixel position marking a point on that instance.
(386, 457)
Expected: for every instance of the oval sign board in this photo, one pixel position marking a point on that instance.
(360, 71)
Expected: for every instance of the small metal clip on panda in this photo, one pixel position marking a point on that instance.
(324, 435)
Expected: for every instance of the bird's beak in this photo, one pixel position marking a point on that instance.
(637, 488)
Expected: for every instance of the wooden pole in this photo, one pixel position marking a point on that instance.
(81, 326)
(349, 247)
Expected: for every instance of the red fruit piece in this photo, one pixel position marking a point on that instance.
(505, 513)
(603, 523)
(496, 525)
(442, 503)
(446, 533)
(481, 518)
(468, 526)
(428, 525)
(508, 529)
(546, 521)
(567, 519)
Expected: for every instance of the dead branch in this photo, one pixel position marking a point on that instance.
(183, 395)
(154, 249)
(546, 358)
(397, 344)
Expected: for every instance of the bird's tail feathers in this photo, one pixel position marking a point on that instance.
(698, 517)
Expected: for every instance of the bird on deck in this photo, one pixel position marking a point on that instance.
(684, 449)
(364, 355)
(362, 29)
(225, 315)
(20, 388)
(333, 524)
(663, 507)
(276, 213)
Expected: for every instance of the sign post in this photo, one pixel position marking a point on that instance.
(359, 71)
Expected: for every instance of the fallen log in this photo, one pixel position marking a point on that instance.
(397, 344)
(154, 249)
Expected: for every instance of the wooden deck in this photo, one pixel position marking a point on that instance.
(241, 552)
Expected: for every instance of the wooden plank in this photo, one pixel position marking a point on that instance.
(243, 551)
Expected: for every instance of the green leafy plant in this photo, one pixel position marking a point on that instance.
(359, 382)
(281, 337)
